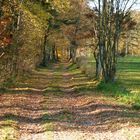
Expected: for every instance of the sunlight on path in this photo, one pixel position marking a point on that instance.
(40, 136)
(123, 134)
(60, 103)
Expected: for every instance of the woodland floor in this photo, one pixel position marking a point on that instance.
(59, 103)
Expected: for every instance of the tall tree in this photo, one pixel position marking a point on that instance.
(111, 16)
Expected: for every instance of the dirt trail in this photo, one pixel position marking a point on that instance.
(60, 103)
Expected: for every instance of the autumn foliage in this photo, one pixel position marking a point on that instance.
(8, 11)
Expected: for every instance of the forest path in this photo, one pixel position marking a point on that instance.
(61, 103)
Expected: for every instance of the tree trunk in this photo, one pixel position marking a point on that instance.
(46, 52)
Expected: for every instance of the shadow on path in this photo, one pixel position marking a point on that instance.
(60, 99)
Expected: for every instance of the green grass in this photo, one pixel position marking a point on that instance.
(127, 88)
(120, 93)
(130, 59)
(72, 67)
(129, 75)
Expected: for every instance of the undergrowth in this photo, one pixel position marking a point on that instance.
(120, 93)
